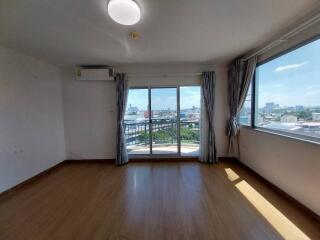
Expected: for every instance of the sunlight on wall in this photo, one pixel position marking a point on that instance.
(282, 224)
(232, 176)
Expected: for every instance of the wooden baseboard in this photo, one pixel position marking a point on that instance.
(274, 187)
(106, 161)
(162, 159)
(135, 160)
(30, 180)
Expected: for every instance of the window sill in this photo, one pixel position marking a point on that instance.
(245, 126)
(286, 135)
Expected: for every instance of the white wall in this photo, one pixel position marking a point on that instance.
(31, 121)
(89, 117)
(292, 165)
(90, 108)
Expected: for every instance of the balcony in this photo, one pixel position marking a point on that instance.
(164, 137)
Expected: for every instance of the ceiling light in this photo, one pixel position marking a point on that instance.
(125, 12)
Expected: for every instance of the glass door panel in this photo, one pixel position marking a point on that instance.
(136, 122)
(164, 120)
(190, 120)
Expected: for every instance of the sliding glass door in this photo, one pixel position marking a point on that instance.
(137, 123)
(190, 120)
(163, 121)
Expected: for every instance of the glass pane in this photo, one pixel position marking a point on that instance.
(288, 92)
(190, 120)
(137, 122)
(164, 120)
(245, 113)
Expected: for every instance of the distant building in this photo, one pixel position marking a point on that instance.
(289, 119)
(311, 125)
(270, 106)
(316, 117)
(132, 110)
(183, 115)
(146, 114)
(299, 108)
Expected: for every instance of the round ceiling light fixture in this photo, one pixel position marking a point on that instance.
(125, 12)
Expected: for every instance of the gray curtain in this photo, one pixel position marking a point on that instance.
(207, 138)
(240, 75)
(122, 93)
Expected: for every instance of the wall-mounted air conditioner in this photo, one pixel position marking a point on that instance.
(94, 74)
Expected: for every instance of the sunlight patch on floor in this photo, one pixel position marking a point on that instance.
(232, 176)
(281, 223)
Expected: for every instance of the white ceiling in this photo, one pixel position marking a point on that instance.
(75, 32)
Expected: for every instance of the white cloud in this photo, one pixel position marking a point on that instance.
(311, 92)
(290, 66)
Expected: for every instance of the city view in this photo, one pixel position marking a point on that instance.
(296, 119)
(287, 93)
(158, 129)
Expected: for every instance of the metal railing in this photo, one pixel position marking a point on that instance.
(163, 131)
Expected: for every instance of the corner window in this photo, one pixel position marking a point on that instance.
(287, 92)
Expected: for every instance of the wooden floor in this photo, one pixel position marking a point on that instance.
(151, 201)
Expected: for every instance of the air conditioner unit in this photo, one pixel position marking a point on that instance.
(94, 74)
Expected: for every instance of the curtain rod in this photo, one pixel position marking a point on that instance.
(303, 26)
(164, 75)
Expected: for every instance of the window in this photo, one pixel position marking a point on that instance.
(163, 121)
(245, 113)
(287, 93)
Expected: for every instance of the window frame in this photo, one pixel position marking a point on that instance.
(294, 136)
(173, 155)
(251, 124)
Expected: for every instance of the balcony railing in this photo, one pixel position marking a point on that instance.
(163, 131)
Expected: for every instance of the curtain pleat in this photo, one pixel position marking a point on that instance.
(208, 153)
(240, 75)
(121, 94)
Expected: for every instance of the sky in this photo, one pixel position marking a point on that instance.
(165, 98)
(292, 79)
